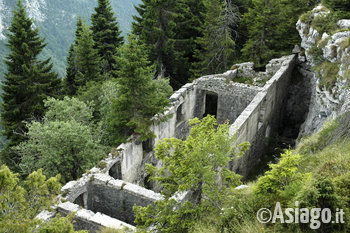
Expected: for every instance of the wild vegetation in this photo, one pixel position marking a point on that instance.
(113, 87)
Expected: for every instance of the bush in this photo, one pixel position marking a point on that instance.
(280, 175)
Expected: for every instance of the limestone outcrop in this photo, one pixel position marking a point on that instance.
(326, 54)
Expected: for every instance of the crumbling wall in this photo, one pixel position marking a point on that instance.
(261, 117)
(187, 103)
(99, 200)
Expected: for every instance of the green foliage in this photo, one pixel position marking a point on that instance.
(271, 28)
(319, 192)
(280, 175)
(168, 30)
(325, 23)
(196, 165)
(217, 43)
(28, 80)
(65, 142)
(70, 82)
(59, 225)
(328, 73)
(86, 58)
(340, 7)
(138, 97)
(19, 204)
(106, 34)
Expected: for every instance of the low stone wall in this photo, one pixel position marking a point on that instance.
(261, 117)
(99, 200)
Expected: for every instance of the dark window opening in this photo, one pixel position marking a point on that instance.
(147, 146)
(80, 200)
(211, 105)
(116, 171)
(179, 116)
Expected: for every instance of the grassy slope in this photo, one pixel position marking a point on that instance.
(324, 154)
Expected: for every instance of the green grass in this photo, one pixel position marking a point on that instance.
(323, 154)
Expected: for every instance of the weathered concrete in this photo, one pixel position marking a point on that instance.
(100, 200)
(261, 117)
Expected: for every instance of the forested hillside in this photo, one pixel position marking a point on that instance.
(78, 86)
(56, 20)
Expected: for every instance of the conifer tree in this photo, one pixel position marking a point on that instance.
(271, 28)
(217, 43)
(168, 29)
(139, 97)
(28, 80)
(86, 58)
(70, 83)
(106, 34)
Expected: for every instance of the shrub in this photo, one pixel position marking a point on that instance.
(280, 175)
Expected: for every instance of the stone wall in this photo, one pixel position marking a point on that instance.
(102, 201)
(187, 103)
(262, 117)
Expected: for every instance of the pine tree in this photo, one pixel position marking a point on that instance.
(29, 80)
(70, 84)
(271, 28)
(168, 29)
(217, 43)
(86, 58)
(71, 81)
(139, 99)
(106, 35)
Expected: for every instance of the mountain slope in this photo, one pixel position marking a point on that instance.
(56, 21)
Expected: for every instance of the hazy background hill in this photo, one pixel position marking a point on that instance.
(56, 20)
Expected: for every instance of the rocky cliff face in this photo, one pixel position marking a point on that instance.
(326, 54)
(56, 20)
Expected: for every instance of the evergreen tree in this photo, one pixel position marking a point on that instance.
(271, 28)
(106, 34)
(86, 58)
(28, 81)
(217, 43)
(70, 83)
(168, 29)
(71, 72)
(139, 98)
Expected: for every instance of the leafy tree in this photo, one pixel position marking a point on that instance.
(106, 34)
(100, 97)
(19, 205)
(28, 80)
(217, 43)
(65, 142)
(196, 165)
